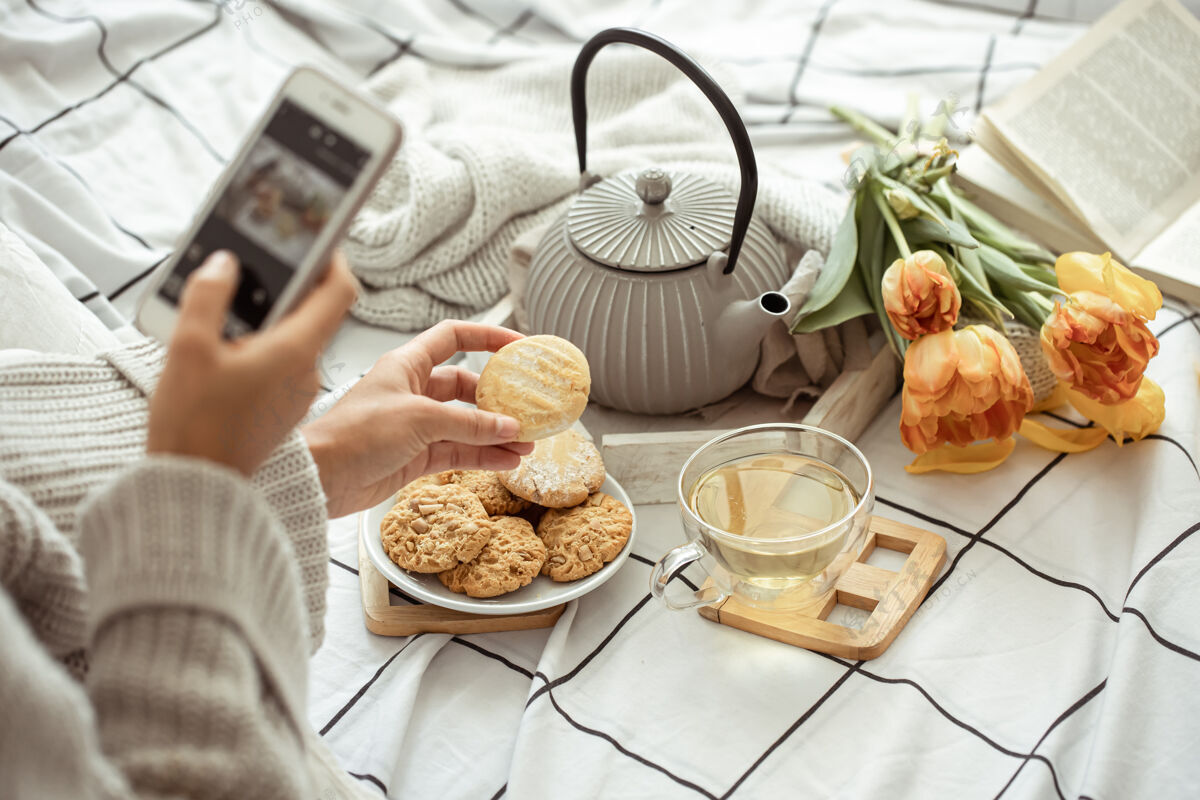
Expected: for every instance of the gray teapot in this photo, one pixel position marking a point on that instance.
(664, 283)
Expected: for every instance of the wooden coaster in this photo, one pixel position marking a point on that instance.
(891, 597)
(386, 619)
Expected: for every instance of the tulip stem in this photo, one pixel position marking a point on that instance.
(890, 218)
(880, 135)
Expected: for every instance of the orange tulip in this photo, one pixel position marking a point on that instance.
(919, 295)
(962, 386)
(1098, 347)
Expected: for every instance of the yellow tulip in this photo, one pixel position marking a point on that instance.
(1097, 346)
(1134, 419)
(962, 386)
(1088, 272)
(919, 295)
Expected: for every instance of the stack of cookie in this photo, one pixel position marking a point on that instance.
(489, 533)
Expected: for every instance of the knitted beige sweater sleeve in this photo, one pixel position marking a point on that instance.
(196, 638)
(69, 424)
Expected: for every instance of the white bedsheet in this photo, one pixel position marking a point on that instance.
(1057, 657)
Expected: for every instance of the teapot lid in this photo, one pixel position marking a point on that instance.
(652, 221)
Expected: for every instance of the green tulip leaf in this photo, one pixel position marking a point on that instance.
(923, 230)
(1003, 270)
(839, 265)
(850, 303)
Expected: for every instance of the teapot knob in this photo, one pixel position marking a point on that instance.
(653, 185)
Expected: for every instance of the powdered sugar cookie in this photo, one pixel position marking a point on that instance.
(561, 471)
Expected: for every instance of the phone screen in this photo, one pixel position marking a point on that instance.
(271, 213)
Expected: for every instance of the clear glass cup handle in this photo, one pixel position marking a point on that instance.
(670, 565)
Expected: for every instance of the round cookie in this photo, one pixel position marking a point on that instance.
(486, 485)
(560, 472)
(581, 540)
(434, 528)
(541, 381)
(511, 559)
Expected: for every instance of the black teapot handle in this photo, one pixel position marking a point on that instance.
(716, 95)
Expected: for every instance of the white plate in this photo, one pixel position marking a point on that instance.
(541, 593)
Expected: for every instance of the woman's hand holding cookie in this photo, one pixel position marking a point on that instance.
(396, 424)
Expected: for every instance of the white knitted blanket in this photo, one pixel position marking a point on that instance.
(490, 154)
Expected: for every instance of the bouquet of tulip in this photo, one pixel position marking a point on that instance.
(922, 257)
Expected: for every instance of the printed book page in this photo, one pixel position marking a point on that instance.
(1173, 259)
(1112, 126)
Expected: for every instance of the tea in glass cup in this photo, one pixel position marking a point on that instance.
(773, 513)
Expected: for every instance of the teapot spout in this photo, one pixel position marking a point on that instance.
(748, 320)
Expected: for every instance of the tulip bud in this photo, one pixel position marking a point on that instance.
(919, 295)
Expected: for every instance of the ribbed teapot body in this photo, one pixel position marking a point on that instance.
(650, 337)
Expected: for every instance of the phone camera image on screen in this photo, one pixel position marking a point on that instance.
(272, 211)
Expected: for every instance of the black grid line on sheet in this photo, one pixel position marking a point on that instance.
(401, 49)
(650, 563)
(120, 78)
(136, 279)
(149, 95)
(1178, 540)
(1158, 437)
(392, 590)
(363, 689)
(1060, 581)
(1030, 13)
(955, 720)
(975, 537)
(512, 27)
(802, 61)
(483, 651)
(792, 729)
(1078, 704)
(550, 684)
(626, 751)
(858, 665)
(366, 776)
(1183, 651)
(983, 73)
(1177, 323)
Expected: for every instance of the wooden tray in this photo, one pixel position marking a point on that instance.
(891, 597)
(385, 619)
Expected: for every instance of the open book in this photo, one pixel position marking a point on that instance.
(1101, 149)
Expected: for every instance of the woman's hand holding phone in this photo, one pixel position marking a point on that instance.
(233, 402)
(396, 424)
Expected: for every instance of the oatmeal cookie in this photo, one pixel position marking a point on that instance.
(486, 485)
(581, 540)
(434, 528)
(560, 472)
(541, 381)
(511, 559)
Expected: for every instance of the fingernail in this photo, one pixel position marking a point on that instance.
(507, 428)
(218, 265)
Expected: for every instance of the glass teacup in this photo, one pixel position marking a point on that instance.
(775, 514)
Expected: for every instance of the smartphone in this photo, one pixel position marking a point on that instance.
(282, 204)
